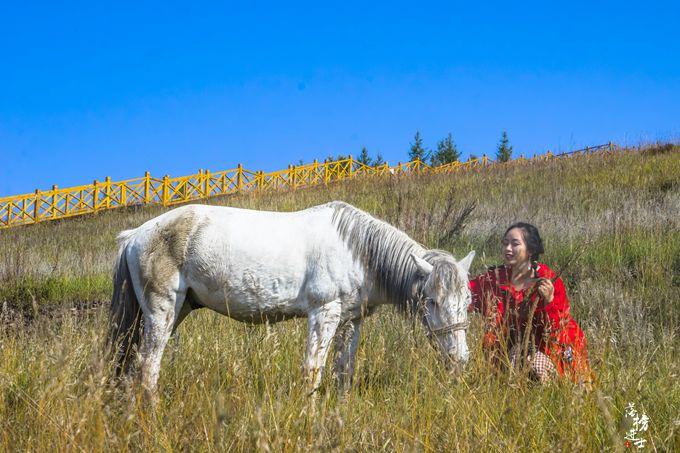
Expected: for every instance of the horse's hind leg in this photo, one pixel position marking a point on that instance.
(176, 337)
(346, 342)
(160, 315)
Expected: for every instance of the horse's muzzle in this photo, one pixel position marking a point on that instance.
(455, 363)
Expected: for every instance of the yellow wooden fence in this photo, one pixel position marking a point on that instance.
(102, 195)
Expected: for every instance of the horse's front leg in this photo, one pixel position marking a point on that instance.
(346, 342)
(322, 322)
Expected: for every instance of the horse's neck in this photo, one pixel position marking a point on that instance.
(407, 298)
(384, 251)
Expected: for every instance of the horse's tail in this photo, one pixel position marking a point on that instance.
(125, 316)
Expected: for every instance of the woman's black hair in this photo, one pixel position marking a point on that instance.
(532, 239)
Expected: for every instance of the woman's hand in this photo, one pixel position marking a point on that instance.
(545, 289)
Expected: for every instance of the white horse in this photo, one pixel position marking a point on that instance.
(333, 264)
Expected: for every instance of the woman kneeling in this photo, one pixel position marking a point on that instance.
(522, 293)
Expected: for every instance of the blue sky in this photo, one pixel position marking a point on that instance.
(92, 89)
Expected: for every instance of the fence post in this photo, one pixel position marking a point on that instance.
(315, 178)
(223, 183)
(259, 180)
(166, 184)
(325, 172)
(147, 187)
(123, 194)
(206, 184)
(10, 209)
(54, 201)
(239, 178)
(291, 176)
(36, 206)
(107, 189)
(416, 165)
(95, 195)
(351, 164)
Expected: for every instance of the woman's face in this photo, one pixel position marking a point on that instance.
(515, 248)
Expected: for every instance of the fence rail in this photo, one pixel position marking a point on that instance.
(103, 195)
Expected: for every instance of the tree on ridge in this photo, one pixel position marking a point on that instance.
(504, 150)
(364, 157)
(417, 150)
(446, 152)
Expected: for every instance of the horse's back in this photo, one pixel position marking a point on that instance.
(235, 223)
(245, 263)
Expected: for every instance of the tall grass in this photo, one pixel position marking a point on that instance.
(609, 223)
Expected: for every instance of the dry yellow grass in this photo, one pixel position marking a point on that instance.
(228, 386)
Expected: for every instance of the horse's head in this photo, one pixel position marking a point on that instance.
(444, 299)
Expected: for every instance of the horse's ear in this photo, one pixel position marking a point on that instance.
(424, 268)
(467, 261)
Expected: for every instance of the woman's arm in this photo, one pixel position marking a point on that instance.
(476, 291)
(482, 289)
(567, 342)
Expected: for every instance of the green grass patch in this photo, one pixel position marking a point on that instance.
(24, 292)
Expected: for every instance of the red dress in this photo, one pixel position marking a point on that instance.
(506, 310)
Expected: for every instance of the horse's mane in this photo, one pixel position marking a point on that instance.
(384, 250)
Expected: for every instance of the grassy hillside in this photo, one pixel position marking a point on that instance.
(610, 224)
